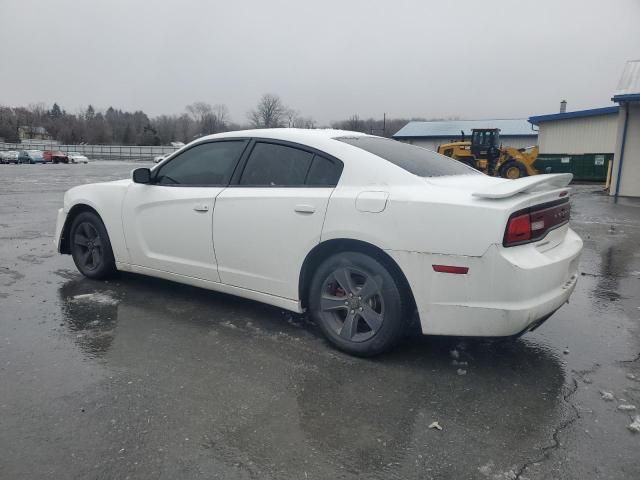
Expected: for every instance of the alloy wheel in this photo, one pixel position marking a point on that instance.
(90, 246)
(351, 304)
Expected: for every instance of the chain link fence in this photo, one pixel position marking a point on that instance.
(97, 152)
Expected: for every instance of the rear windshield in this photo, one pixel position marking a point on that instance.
(416, 160)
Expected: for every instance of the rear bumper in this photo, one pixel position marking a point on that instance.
(506, 292)
(496, 319)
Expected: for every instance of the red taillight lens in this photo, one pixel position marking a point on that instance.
(518, 230)
(534, 223)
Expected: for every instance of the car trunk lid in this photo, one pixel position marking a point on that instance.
(539, 203)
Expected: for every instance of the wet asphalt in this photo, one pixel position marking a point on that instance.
(146, 379)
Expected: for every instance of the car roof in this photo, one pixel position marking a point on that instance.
(299, 135)
(360, 166)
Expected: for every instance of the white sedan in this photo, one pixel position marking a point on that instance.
(362, 232)
(76, 157)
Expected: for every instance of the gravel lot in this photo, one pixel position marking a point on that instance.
(146, 379)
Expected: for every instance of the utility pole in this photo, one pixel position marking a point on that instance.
(384, 124)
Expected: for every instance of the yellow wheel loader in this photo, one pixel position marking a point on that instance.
(485, 153)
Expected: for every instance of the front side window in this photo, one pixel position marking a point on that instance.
(416, 160)
(207, 164)
(276, 166)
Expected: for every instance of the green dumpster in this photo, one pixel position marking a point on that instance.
(590, 167)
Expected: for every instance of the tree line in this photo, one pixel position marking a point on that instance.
(117, 127)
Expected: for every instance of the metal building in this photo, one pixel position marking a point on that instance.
(580, 142)
(516, 132)
(625, 175)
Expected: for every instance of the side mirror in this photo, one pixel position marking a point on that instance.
(141, 175)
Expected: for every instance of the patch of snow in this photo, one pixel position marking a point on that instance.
(635, 425)
(435, 425)
(103, 298)
(626, 408)
(607, 396)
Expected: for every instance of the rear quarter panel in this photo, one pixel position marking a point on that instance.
(426, 218)
(414, 220)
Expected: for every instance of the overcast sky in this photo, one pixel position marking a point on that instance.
(328, 59)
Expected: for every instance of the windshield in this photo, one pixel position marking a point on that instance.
(416, 160)
(35, 154)
(486, 138)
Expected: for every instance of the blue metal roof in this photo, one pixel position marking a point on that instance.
(451, 128)
(629, 97)
(577, 114)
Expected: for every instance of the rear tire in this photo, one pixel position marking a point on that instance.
(91, 247)
(358, 304)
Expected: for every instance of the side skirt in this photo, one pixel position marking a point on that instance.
(285, 303)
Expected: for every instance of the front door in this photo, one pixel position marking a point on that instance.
(168, 224)
(267, 222)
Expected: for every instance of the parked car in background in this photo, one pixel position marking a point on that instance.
(55, 156)
(9, 156)
(30, 156)
(75, 157)
(363, 232)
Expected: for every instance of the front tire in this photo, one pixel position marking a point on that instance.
(91, 247)
(358, 304)
(513, 169)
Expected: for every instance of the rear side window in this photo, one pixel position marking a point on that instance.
(276, 165)
(416, 160)
(323, 172)
(207, 164)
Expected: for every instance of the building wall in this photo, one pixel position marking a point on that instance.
(595, 134)
(432, 143)
(630, 177)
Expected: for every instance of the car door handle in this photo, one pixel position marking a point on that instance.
(302, 208)
(201, 208)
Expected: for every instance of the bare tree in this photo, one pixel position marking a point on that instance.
(210, 119)
(269, 113)
(292, 116)
(200, 112)
(354, 123)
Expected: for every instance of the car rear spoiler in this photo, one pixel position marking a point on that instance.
(537, 183)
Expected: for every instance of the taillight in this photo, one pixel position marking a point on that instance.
(532, 224)
(518, 230)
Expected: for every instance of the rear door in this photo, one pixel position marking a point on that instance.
(168, 224)
(271, 216)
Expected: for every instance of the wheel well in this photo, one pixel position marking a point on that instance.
(324, 250)
(65, 241)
